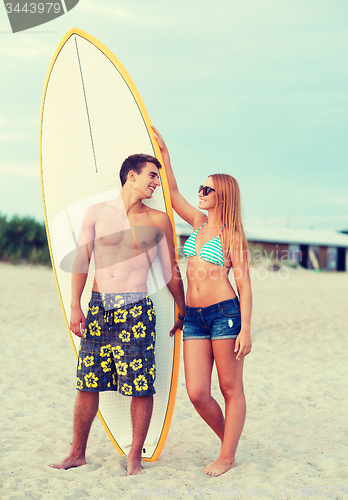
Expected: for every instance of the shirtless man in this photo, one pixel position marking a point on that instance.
(117, 350)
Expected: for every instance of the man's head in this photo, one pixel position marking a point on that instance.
(136, 163)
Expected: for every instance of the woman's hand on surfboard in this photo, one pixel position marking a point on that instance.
(159, 139)
(77, 322)
(179, 324)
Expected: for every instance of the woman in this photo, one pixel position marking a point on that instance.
(216, 326)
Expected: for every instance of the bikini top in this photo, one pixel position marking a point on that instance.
(210, 252)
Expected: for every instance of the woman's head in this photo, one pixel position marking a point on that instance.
(227, 198)
(228, 211)
(207, 196)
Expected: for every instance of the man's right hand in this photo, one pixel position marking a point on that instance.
(77, 322)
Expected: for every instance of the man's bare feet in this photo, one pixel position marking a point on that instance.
(70, 462)
(219, 467)
(134, 466)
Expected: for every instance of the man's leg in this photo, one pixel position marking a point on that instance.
(86, 408)
(141, 411)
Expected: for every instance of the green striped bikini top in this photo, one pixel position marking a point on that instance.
(210, 252)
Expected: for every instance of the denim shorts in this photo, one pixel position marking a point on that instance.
(219, 321)
(118, 350)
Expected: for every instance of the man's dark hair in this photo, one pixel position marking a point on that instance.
(136, 163)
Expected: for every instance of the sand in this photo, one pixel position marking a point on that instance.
(295, 379)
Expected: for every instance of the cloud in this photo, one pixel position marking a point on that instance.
(96, 8)
(8, 137)
(19, 130)
(24, 48)
(335, 222)
(340, 200)
(20, 169)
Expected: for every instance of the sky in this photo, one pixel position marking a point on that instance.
(254, 88)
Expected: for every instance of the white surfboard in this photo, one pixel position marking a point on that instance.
(92, 118)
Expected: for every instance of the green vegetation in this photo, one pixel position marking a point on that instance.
(23, 240)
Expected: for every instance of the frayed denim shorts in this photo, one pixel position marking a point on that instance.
(218, 321)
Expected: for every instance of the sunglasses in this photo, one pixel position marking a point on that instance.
(205, 190)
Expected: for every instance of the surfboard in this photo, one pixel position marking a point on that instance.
(92, 118)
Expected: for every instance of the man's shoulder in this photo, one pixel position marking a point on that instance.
(158, 217)
(93, 213)
(95, 210)
(100, 207)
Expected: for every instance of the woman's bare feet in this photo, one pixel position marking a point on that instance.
(219, 467)
(70, 462)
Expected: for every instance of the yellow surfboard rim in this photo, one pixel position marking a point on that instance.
(168, 204)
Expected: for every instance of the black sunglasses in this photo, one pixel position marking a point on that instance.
(205, 189)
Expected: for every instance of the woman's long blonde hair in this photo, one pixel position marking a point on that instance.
(228, 213)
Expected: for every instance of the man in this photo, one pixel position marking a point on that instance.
(117, 350)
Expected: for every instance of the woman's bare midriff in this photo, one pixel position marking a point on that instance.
(208, 283)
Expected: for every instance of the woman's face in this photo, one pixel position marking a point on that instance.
(208, 201)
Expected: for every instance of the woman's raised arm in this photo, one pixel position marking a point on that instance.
(181, 206)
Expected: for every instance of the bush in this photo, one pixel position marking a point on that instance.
(23, 239)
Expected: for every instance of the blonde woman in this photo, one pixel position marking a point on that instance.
(217, 323)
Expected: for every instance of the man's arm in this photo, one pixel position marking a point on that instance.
(171, 269)
(80, 271)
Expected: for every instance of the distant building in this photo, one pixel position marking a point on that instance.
(311, 248)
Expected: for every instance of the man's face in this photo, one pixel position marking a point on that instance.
(148, 179)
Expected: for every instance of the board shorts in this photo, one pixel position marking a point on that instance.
(118, 350)
(216, 322)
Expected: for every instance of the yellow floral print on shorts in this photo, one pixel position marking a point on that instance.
(141, 383)
(139, 330)
(88, 361)
(120, 316)
(136, 311)
(91, 380)
(124, 336)
(127, 389)
(94, 328)
(136, 364)
(118, 350)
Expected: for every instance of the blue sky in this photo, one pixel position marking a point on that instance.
(254, 88)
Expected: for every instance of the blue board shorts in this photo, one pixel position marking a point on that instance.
(118, 350)
(216, 322)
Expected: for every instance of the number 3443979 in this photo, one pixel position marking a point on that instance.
(33, 8)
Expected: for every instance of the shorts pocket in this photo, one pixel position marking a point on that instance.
(230, 310)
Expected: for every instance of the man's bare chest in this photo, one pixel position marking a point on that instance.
(137, 238)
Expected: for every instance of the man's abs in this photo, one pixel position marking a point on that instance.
(127, 276)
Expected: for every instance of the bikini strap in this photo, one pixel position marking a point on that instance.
(206, 222)
(198, 228)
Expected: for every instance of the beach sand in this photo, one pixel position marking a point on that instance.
(296, 431)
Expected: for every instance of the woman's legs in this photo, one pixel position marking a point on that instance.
(230, 372)
(198, 360)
